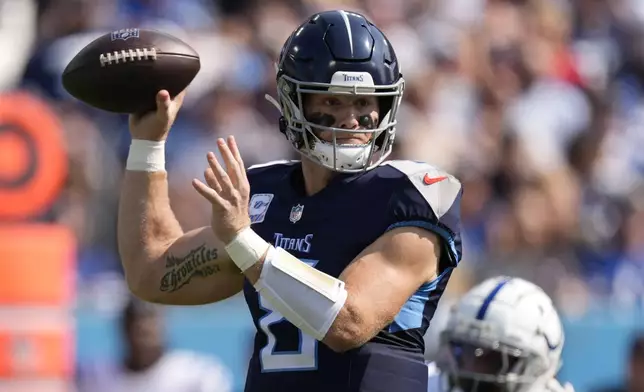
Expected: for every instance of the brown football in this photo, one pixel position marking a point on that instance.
(122, 71)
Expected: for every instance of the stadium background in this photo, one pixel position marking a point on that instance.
(536, 105)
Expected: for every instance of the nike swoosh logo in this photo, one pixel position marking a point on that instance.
(427, 180)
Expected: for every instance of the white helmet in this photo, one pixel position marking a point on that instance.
(503, 335)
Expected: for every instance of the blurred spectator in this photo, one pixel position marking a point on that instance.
(148, 365)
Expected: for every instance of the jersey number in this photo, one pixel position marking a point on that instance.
(305, 358)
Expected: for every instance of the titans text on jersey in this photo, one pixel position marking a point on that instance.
(328, 230)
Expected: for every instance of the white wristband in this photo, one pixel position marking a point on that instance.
(146, 155)
(247, 248)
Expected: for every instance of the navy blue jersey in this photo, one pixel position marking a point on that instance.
(328, 230)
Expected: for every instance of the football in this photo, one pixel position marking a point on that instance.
(122, 71)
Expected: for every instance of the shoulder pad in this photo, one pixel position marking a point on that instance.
(271, 164)
(439, 188)
(268, 169)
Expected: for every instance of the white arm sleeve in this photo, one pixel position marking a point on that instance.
(308, 298)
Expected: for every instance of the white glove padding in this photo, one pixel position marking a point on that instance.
(553, 385)
(550, 384)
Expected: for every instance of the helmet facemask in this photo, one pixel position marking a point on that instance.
(488, 367)
(303, 132)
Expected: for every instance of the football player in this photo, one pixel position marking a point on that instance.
(504, 335)
(148, 364)
(342, 256)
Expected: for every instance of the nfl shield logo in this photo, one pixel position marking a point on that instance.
(125, 34)
(296, 213)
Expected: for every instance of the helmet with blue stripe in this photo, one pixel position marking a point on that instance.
(503, 335)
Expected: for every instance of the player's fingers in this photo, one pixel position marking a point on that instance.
(232, 144)
(163, 105)
(231, 164)
(178, 100)
(222, 177)
(133, 118)
(163, 101)
(207, 192)
(243, 186)
(175, 104)
(211, 180)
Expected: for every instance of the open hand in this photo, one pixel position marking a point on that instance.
(227, 190)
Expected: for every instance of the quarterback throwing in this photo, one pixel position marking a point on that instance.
(342, 257)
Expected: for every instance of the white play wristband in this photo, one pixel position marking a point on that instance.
(246, 249)
(146, 156)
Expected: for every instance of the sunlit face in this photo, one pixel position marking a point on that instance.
(353, 112)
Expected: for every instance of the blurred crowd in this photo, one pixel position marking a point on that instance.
(536, 105)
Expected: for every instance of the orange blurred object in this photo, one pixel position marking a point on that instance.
(36, 265)
(33, 162)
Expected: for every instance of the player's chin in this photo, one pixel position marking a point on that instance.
(346, 140)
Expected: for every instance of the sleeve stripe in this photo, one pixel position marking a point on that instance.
(444, 234)
(431, 286)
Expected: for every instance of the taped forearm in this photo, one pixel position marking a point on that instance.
(308, 298)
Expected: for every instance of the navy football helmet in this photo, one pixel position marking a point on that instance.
(338, 52)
